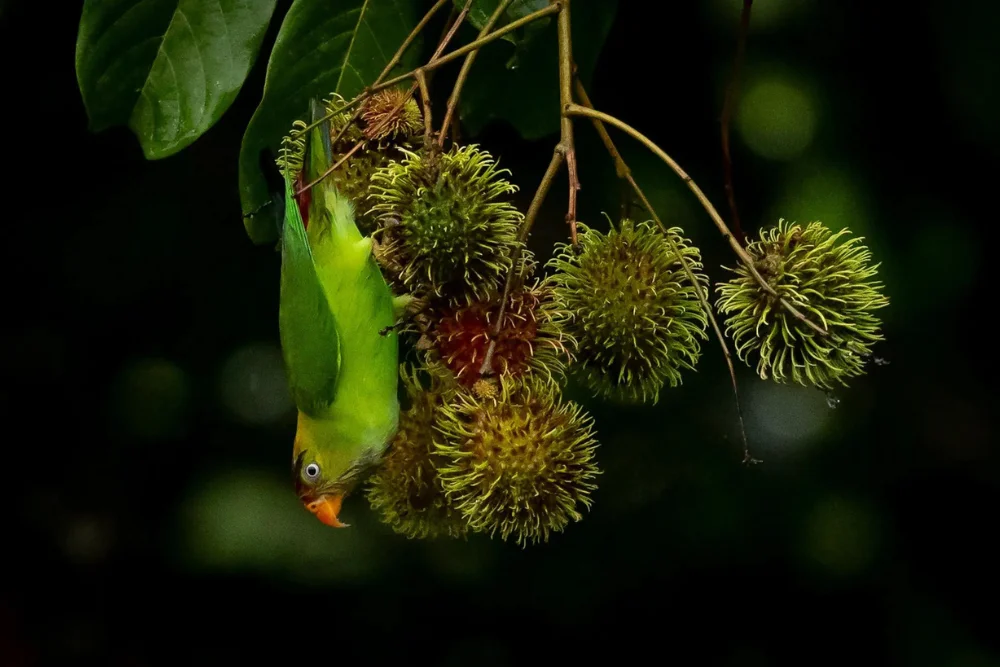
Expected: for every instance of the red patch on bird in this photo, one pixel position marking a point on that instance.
(303, 199)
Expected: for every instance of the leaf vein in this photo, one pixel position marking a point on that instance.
(204, 78)
(350, 47)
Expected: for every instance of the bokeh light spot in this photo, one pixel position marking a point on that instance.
(88, 539)
(789, 417)
(253, 384)
(152, 398)
(763, 16)
(249, 521)
(825, 193)
(840, 535)
(776, 119)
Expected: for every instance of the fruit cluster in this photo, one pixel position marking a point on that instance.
(487, 442)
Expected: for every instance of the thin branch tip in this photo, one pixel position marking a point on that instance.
(578, 110)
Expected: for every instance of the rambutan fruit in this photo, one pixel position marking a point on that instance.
(519, 463)
(626, 300)
(529, 338)
(829, 281)
(444, 219)
(405, 488)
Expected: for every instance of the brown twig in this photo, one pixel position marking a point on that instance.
(566, 121)
(443, 60)
(336, 165)
(451, 31)
(425, 96)
(577, 110)
(418, 74)
(623, 172)
(396, 57)
(564, 152)
(558, 156)
(463, 74)
(732, 91)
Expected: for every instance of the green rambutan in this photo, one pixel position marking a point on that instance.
(627, 302)
(520, 463)
(405, 488)
(829, 282)
(443, 218)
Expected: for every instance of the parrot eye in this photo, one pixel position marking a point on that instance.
(312, 471)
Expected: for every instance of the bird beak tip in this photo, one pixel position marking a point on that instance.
(326, 510)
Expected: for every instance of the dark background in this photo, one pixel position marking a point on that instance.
(147, 431)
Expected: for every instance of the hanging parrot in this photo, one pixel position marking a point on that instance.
(340, 349)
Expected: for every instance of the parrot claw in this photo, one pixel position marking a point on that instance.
(401, 303)
(366, 246)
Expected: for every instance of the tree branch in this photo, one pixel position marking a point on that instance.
(566, 121)
(623, 171)
(463, 74)
(425, 96)
(443, 60)
(732, 91)
(577, 110)
(417, 73)
(396, 57)
(564, 152)
(558, 157)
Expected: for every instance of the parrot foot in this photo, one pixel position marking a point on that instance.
(401, 304)
(366, 248)
(404, 306)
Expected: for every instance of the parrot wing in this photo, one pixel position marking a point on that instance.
(310, 341)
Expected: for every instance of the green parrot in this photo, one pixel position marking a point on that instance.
(340, 349)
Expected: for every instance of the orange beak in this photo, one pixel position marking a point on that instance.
(326, 510)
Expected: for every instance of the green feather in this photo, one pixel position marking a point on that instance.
(309, 339)
(346, 422)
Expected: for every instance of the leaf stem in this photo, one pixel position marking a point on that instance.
(732, 91)
(577, 110)
(425, 96)
(417, 73)
(558, 157)
(443, 60)
(623, 172)
(564, 152)
(463, 74)
(336, 165)
(566, 121)
(389, 66)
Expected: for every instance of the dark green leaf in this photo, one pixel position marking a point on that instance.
(167, 68)
(527, 96)
(322, 48)
(482, 10)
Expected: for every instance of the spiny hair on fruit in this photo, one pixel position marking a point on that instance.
(830, 279)
(629, 304)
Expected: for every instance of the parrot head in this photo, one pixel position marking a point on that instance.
(322, 480)
(324, 474)
(317, 492)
